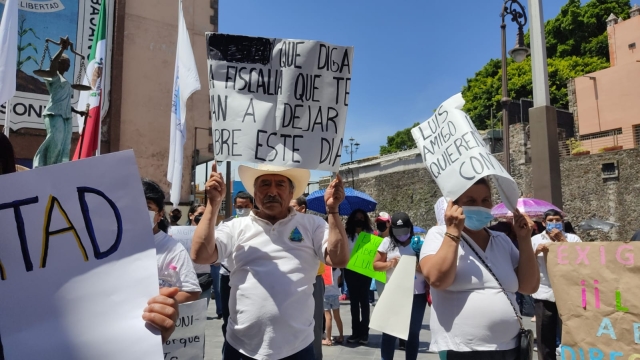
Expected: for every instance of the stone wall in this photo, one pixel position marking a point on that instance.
(586, 193)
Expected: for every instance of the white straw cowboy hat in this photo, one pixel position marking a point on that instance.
(299, 177)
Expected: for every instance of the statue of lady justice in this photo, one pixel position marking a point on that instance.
(58, 114)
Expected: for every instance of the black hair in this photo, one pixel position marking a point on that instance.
(153, 192)
(507, 229)
(302, 201)
(568, 228)
(350, 226)
(192, 210)
(243, 195)
(7, 156)
(552, 212)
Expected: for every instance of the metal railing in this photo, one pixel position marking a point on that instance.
(595, 143)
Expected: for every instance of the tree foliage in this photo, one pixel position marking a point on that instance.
(581, 30)
(484, 91)
(577, 44)
(400, 141)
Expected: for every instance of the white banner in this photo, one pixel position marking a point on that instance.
(397, 299)
(77, 262)
(278, 101)
(456, 156)
(187, 341)
(42, 20)
(40, 6)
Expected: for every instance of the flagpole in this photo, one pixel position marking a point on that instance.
(99, 122)
(7, 115)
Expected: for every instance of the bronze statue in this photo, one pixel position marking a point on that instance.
(58, 114)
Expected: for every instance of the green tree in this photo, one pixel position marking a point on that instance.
(581, 30)
(484, 91)
(401, 140)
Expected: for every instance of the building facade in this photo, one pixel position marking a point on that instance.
(605, 103)
(142, 67)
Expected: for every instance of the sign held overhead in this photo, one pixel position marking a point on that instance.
(456, 156)
(278, 101)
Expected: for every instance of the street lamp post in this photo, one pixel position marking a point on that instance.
(545, 155)
(514, 9)
(349, 148)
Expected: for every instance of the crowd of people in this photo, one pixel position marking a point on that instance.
(264, 267)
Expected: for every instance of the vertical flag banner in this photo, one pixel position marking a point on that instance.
(89, 138)
(9, 51)
(185, 83)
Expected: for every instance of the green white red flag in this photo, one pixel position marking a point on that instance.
(92, 100)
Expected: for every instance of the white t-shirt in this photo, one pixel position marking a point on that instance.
(544, 291)
(473, 313)
(333, 289)
(170, 251)
(393, 252)
(273, 269)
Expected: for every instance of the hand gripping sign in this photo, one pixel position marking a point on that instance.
(456, 156)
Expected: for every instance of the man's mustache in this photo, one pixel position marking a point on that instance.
(272, 199)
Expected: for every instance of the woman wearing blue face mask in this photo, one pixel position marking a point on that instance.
(468, 266)
(399, 243)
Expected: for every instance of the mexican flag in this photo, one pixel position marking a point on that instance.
(91, 100)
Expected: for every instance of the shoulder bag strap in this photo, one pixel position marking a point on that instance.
(464, 238)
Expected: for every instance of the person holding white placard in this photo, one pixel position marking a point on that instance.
(168, 250)
(474, 274)
(395, 245)
(272, 255)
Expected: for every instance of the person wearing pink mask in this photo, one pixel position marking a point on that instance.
(397, 244)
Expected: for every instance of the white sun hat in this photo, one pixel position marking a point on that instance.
(299, 177)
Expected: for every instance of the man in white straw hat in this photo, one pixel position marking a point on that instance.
(273, 257)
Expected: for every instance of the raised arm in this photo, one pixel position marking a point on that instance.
(527, 271)
(337, 254)
(203, 245)
(440, 268)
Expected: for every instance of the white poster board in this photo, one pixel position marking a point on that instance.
(184, 235)
(78, 262)
(397, 299)
(456, 156)
(187, 341)
(278, 101)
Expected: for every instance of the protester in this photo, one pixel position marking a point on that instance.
(548, 324)
(273, 255)
(168, 250)
(397, 244)
(7, 156)
(358, 284)
(383, 225)
(472, 317)
(332, 306)
(195, 211)
(176, 215)
(243, 203)
(300, 205)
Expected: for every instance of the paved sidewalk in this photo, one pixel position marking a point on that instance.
(214, 340)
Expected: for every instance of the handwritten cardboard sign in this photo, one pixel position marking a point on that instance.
(187, 341)
(278, 101)
(598, 297)
(456, 156)
(364, 251)
(77, 262)
(184, 235)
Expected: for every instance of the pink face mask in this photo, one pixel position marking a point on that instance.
(403, 238)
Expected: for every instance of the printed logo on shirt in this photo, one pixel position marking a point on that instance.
(296, 235)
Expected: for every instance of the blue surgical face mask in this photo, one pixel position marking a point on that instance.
(551, 226)
(243, 212)
(476, 217)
